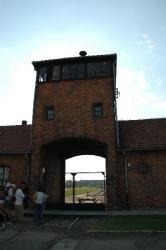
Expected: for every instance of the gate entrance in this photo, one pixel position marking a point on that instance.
(73, 187)
(85, 180)
(85, 188)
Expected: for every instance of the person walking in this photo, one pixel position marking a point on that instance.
(19, 208)
(38, 199)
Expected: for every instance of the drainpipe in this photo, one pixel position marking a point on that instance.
(126, 180)
(115, 104)
(27, 158)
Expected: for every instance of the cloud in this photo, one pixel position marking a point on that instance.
(137, 98)
(86, 163)
(16, 103)
(146, 42)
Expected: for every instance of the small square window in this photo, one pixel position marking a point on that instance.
(50, 113)
(97, 110)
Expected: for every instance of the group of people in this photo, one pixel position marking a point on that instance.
(14, 199)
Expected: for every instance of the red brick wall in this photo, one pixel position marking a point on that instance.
(72, 101)
(147, 188)
(73, 118)
(17, 164)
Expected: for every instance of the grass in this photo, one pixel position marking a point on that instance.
(132, 222)
(80, 190)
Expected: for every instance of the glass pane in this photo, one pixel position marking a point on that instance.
(56, 72)
(98, 110)
(90, 69)
(106, 69)
(4, 174)
(50, 114)
(73, 71)
(66, 71)
(80, 71)
(43, 74)
(94, 69)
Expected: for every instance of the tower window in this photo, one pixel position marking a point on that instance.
(80, 71)
(105, 69)
(66, 71)
(56, 72)
(42, 77)
(97, 110)
(4, 175)
(50, 112)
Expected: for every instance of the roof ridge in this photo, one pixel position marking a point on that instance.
(17, 125)
(143, 119)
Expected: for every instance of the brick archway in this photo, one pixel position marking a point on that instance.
(53, 156)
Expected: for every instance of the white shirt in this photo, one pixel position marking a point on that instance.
(10, 192)
(19, 197)
(39, 197)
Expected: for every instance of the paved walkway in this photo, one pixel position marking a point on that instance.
(70, 233)
(101, 213)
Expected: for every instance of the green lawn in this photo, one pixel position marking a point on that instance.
(81, 190)
(132, 222)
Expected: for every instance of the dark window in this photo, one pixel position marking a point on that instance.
(56, 72)
(94, 69)
(77, 71)
(105, 69)
(80, 71)
(42, 74)
(66, 71)
(97, 110)
(4, 175)
(98, 69)
(73, 71)
(50, 112)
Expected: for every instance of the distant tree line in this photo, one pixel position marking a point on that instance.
(85, 183)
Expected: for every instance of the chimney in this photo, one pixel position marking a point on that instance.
(24, 122)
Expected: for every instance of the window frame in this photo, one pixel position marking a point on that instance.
(3, 177)
(50, 113)
(67, 71)
(45, 76)
(97, 114)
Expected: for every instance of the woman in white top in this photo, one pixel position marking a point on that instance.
(19, 208)
(38, 199)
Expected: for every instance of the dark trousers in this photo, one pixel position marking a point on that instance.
(38, 210)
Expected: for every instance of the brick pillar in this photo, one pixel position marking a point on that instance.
(55, 178)
(35, 170)
(111, 180)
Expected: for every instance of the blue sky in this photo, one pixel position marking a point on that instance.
(37, 30)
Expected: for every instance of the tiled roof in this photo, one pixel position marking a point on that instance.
(142, 134)
(133, 135)
(15, 139)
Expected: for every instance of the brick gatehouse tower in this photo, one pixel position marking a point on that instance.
(74, 114)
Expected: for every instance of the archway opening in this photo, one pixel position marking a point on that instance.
(74, 162)
(85, 181)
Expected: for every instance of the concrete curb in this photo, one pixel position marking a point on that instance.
(126, 231)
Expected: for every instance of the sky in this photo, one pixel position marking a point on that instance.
(39, 30)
